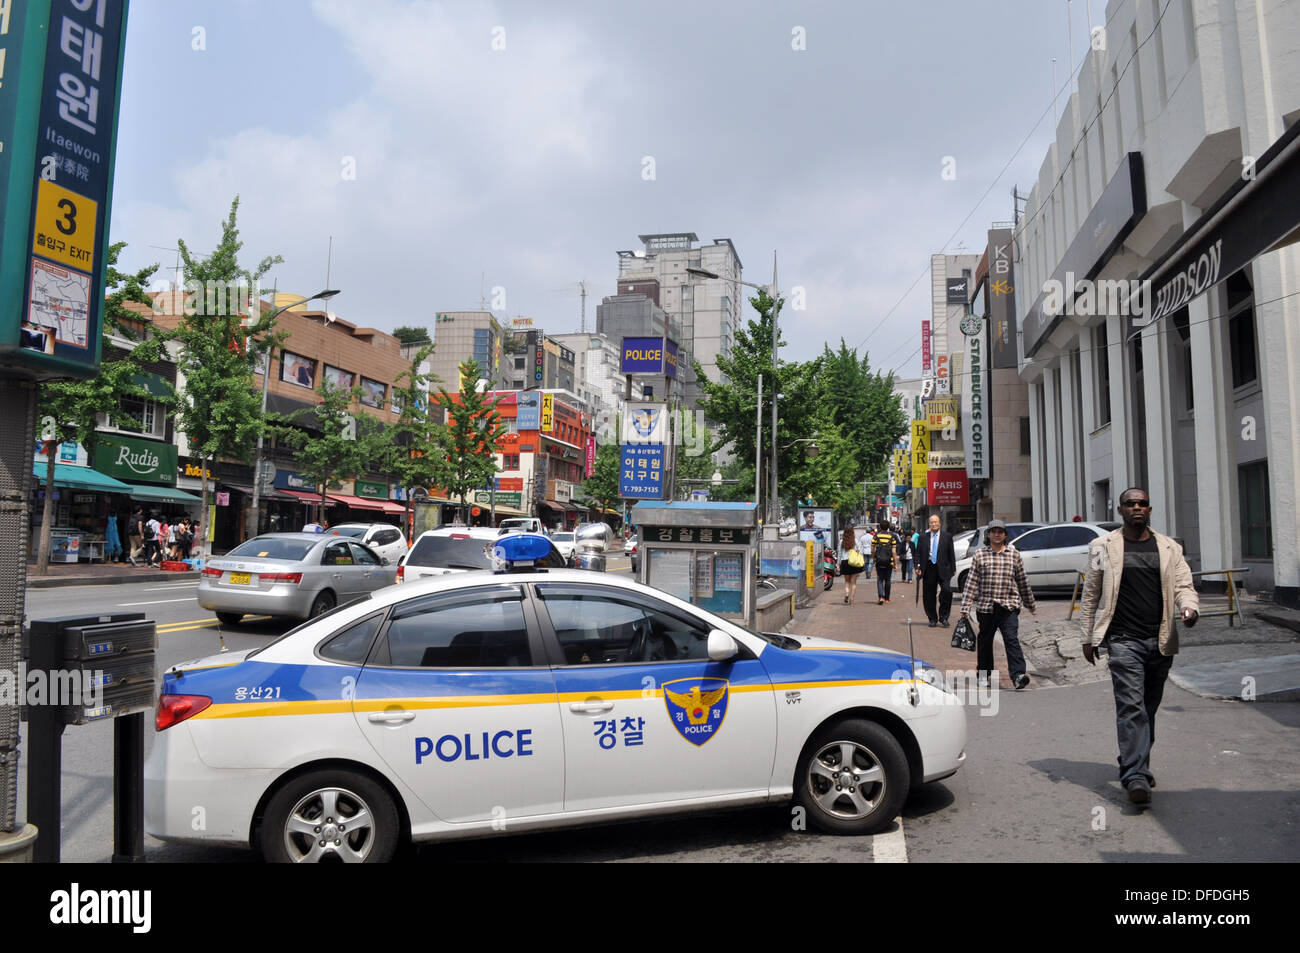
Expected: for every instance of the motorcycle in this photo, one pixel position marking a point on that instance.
(830, 568)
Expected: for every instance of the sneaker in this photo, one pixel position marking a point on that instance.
(981, 681)
(1022, 681)
(880, 602)
(1139, 792)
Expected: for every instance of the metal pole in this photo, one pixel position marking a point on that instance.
(758, 443)
(774, 498)
(18, 397)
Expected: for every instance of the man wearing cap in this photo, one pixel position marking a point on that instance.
(1138, 583)
(997, 587)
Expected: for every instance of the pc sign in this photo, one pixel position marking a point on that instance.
(60, 82)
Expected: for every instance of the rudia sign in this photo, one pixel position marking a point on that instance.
(142, 462)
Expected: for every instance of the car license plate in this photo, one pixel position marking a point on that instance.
(241, 578)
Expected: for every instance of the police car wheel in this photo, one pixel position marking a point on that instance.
(330, 816)
(229, 618)
(853, 778)
(323, 603)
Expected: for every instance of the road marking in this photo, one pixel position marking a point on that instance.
(155, 602)
(169, 627)
(182, 585)
(891, 847)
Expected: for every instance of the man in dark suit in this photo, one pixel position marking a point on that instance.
(936, 562)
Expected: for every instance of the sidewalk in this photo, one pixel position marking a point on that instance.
(100, 574)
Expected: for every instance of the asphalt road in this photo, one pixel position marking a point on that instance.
(1038, 784)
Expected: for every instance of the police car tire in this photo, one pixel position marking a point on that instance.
(386, 823)
(229, 618)
(888, 754)
(323, 603)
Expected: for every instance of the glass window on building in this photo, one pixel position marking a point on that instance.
(1256, 513)
(1101, 363)
(1025, 444)
(1241, 330)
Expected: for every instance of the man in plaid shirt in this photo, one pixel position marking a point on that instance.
(997, 586)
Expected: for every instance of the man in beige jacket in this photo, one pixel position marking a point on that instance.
(1137, 579)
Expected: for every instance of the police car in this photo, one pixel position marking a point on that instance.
(481, 703)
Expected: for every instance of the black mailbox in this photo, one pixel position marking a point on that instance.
(97, 666)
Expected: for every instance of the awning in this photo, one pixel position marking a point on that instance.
(162, 494)
(305, 497)
(80, 478)
(362, 503)
(558, 507)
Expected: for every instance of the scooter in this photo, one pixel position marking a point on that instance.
(829, 569)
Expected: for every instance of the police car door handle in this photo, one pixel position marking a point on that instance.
(590, 707)
(391, 717)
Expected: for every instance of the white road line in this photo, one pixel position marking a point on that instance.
(891, 847)
(156, 602)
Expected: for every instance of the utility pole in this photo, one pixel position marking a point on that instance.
(758, 443)
(774, 498)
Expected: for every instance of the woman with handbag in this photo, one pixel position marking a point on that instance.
(852, 563)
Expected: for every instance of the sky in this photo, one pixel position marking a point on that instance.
(418, 156)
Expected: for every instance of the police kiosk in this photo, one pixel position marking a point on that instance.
(701, 552)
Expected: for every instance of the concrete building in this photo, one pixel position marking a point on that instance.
(1193, 393)
(465, 335)
(600, 384)
(702, 312)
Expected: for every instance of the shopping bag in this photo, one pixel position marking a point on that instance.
(963, 637)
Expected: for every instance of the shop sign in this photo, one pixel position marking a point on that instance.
(288, 480)
(591, 457)
(125, 458)
(947, 459)
(942, 378)
(223, 498)
(196, 471)
(948, 488)
(70, 453)
(942, 412)
(529, 414)
(975, 410)
(920, 452)
(548, 413)
(371, 491)
(696, 534)
(484, 497)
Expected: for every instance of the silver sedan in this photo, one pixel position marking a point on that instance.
(294, 575)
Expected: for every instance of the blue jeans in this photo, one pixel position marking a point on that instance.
(1008, 620)
(907, 570)
(1137, 672)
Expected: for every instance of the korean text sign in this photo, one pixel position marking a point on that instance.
(641, 474)
(57, 172)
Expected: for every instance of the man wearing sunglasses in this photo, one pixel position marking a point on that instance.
(1137, 580)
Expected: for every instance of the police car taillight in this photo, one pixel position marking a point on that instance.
(401, 573)
(173, 709)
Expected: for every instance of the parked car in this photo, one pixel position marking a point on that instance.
(291, 575)
(384, 538)
(1053, 555)
(975, 539)
(564, 542)
(522, 524)
(453, 549)
(632, 548)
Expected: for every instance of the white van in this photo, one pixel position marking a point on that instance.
(522, 524)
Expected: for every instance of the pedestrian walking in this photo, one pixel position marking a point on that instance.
(152, 550)
(852, 562)
(936, 563)
(1137, 587)
(883, 547)
(906, 553)
(867, 537)
(112, 542)
(996, 588)
(135, 535)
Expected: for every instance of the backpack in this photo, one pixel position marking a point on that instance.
(146, 531)
(882, 550)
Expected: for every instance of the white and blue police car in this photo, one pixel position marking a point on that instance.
(482, 703)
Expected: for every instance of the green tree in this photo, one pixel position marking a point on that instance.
(864, 406)
(602, 485)
(329, 447)
(412, 335)
(730, 404)
(469, 440)
(413, 458)
(829, 478)
(219, 409)
(68, 409)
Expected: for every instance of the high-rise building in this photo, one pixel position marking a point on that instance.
(463, 335)
(702, 313)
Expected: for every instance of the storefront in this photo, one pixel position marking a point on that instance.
(84, 499)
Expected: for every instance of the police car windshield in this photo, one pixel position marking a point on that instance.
(261, 547)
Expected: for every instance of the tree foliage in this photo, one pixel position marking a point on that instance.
(412, 335)
(412, 457)
(864, 406)
(602, 485)
(219, 409)
(469, 441)
(331, 444)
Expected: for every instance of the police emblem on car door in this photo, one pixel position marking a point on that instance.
(696, 707)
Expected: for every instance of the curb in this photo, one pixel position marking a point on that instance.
(58, 582)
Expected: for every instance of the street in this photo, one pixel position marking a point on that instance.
(1038, 783)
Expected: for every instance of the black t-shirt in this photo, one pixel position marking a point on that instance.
(1140, 605)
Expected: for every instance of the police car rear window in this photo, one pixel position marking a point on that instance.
(447, 552)
(291, 550)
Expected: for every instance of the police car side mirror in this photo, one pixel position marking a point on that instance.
(721, 646)
(384, 561)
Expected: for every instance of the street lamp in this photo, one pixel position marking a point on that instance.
(255, 506)
(773, 500)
